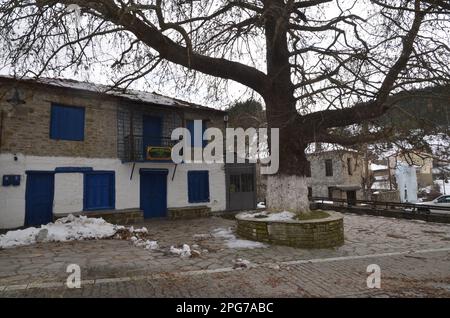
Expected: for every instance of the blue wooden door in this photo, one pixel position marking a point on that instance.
(151, 131)
(153, 193)
(39, 198)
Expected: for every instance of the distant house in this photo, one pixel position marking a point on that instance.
(331, 174)
(74, 147)
(335, 174)
(381, 177)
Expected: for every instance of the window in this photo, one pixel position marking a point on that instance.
(308, 169)
(349, 166)
(328, 167)
(330, 192)
(198, 186)
(99, 190)
(309, 192)
(235, 183)
(67, 123)
(247, 182)
(241, 182)
(196, 141)
(444, 199)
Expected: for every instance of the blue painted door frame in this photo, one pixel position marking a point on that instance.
(151, 131)
(39, 193)
(153, 192)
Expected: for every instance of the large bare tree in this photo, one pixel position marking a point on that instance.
(319, 65)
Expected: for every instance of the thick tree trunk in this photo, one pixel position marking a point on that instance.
(287, 190)
(287, 193)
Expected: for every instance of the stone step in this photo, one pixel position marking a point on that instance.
(125, 216)
(188, 212)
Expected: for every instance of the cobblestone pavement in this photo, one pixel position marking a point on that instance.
(422, 274)
(106, 259)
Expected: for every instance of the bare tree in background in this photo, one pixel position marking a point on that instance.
(317, 72)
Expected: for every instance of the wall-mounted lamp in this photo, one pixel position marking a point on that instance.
(15, 100)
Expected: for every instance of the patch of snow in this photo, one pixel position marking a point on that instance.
(200, 237)
(271, 216)
(184, 252)
(69, 228)
(233, 242)
(241, 263)
(376, 167)
(147, 244)
(261, 205)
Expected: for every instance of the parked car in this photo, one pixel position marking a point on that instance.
(441, 201)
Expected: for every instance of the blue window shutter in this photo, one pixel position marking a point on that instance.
(204, 142)
(198, 186)
(190, 127)
(199, 141)
(99, 190)
(67, 122)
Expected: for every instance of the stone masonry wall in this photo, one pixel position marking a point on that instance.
(26, 128)
(314, 234)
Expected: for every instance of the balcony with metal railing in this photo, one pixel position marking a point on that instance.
(143, 133)
(143, 148)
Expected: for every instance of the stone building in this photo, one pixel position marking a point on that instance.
(69, 147)
(336, 174)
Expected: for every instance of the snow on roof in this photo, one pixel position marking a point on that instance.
(377, 167)
(327, 148)
(130, 94)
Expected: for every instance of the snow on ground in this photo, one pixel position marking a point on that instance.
(147, 244)
(261, 205)
(73, 228)
(184, 251)
(270, 216)
(233, 242)
(241, 263)
(69, 228)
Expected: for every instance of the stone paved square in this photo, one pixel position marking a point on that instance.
(111, 263)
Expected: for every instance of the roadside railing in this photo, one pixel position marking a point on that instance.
(407, 207)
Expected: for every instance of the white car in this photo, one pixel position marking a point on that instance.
(441, 201)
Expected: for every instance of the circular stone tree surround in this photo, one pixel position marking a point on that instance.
(319, 233)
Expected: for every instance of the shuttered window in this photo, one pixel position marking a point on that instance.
(328, 167)
(99, 190)
(349, 166)
(308, 169)
(198, 186)
(67, 122)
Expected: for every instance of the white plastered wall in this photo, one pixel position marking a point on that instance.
(69, 186)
